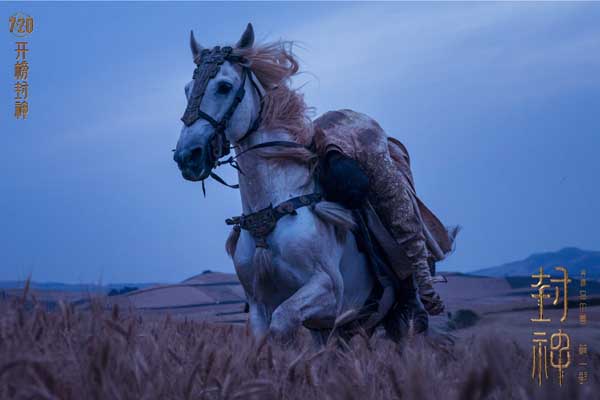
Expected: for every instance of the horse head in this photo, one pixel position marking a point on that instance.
(224, 104)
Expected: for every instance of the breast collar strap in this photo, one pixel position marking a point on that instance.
(261, 223)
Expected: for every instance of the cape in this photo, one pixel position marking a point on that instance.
(346, 129)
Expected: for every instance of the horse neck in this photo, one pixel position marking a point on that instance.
(265, 180)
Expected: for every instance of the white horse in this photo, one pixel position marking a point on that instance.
(306, 271)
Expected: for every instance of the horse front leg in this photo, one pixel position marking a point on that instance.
(315, 305)
(258, 319)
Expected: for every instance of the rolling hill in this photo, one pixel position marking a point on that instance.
(572, 258)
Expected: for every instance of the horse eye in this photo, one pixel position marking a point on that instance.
(224, 87)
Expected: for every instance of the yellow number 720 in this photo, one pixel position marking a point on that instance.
(24, 24)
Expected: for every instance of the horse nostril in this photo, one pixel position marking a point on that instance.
(187, 158)
(196, 153)
(181, 157)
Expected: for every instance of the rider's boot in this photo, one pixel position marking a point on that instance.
(408, 317)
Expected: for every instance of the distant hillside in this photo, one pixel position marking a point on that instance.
(68, 287)
(572, 258)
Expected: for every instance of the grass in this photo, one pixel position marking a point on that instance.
(100, 354)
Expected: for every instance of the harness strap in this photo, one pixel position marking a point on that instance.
(256, 124)
(222, 181)
(239, 96)
(261, 223)
(208, 118)
(273, 143)
(232, 159)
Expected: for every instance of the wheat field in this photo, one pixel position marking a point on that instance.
(97, 353)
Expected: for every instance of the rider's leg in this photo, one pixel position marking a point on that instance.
(398, 210)
(429, 297)
(408, 315)
(344, 180)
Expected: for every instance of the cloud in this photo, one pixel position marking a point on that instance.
(495, 46)
(402, 47)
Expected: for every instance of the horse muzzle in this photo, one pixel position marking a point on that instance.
(194, 164)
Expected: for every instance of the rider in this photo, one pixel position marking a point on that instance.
(359, 163)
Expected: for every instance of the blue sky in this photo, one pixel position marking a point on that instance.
(497, 102)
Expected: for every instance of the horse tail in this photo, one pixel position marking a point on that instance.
(232, 241)
(335, 214)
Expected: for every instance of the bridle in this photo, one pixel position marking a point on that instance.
(209, 63)
(262, 222)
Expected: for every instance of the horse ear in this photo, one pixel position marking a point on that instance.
(194, 45)
(247, 39)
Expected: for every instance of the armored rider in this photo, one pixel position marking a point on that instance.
(360, 163)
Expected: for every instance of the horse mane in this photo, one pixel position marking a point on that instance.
(274, 64)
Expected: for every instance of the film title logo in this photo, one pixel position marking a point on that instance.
(554, 350)
(21, 25)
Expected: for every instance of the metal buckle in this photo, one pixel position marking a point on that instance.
(233, 220)
(305, 200)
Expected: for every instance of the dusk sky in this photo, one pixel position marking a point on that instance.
(498, 104)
